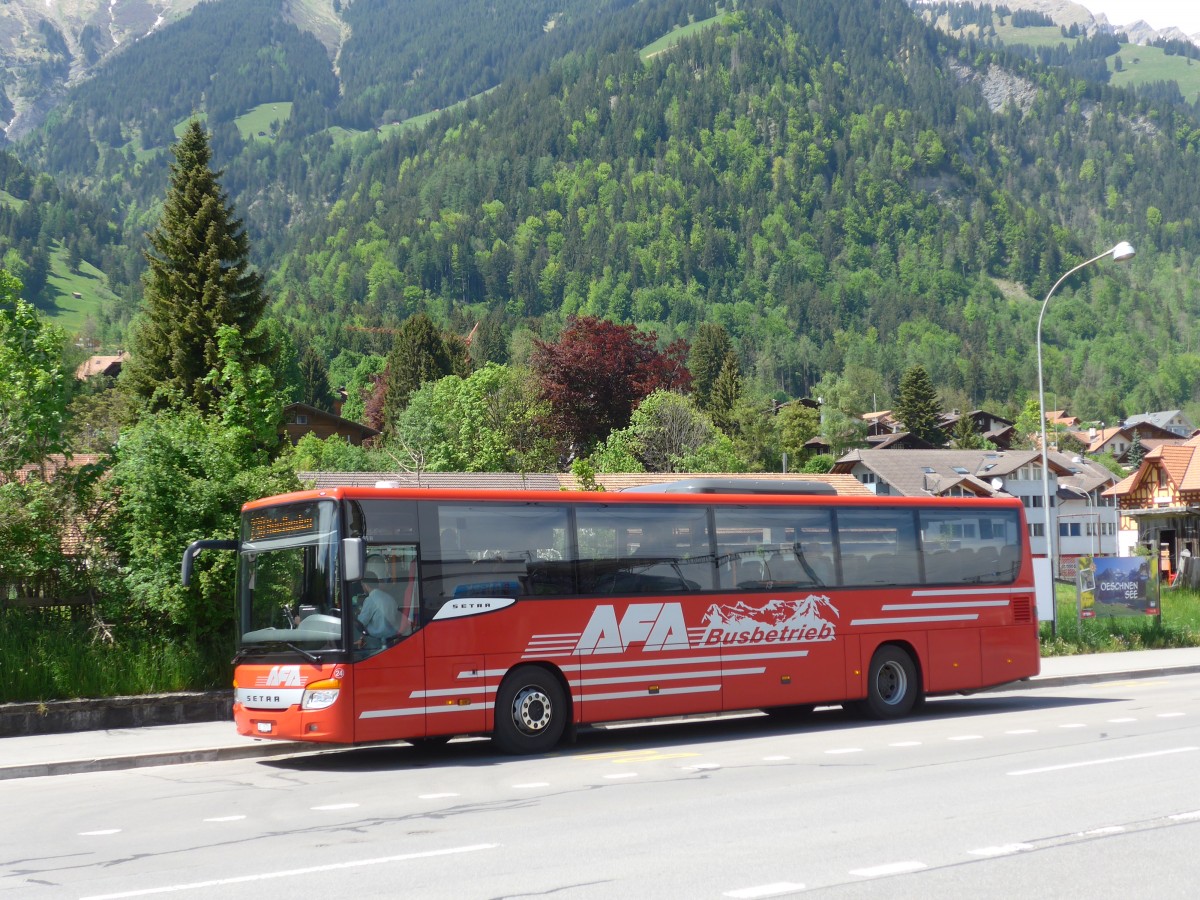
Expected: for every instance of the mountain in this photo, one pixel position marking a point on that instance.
(45, 45)
(846, 189)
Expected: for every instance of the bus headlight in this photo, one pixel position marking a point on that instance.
(321, 694)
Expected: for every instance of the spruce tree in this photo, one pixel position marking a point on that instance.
(918, 408)
(710, 347)
(420, 354)
(199, 278)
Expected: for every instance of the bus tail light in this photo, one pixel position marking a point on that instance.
(321, 694)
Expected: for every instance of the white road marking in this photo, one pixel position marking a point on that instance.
(1101, 762)
(1022, 731)
(905, 744)
(531, 784)
(1122, 721)
(1073, 725)
(1170, 715)
(622, 775)
(100, 832)
(435, 796)
(334, 806)
(1186, 817)
(291, 873)
(765, 890)
(838, 750)
(225, 819)
(1108, 829)
(966, 737)
(776, 758)
(898, 868)
(702, 767)
(1000, 850)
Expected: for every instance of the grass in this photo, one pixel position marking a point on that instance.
(1179, 626)
(256, 124)
(1142, 65)
(70, 312)
(49, 655)
(673, 37)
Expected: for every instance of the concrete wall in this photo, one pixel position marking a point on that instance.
(58, 716)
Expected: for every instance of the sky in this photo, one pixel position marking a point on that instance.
(1184, 14)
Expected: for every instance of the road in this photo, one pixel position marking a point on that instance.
(1090, 790)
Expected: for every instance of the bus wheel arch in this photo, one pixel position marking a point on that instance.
(894, 682)
(533, 709)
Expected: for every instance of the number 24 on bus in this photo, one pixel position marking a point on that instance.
(370, 614)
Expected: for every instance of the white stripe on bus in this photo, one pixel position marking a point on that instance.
(965, 617)
(968, 604)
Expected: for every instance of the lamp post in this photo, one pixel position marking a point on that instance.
(1121, 252)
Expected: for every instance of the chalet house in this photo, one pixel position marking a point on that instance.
(998, 430)
(109, 366)
(1172, 420)
(1119, 441)
(300, 419)
(1160, 502)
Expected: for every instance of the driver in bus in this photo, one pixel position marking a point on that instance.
(379, 615)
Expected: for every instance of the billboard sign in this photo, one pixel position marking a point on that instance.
(1116, 586)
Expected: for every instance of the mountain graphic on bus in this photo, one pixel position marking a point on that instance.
(776, 621)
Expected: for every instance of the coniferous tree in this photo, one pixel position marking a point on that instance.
(421, 353)
(314, 377)
(964, 435)
(1136, 450)
(725, 392)
(918, 408)
(706, 359)
(199, 278)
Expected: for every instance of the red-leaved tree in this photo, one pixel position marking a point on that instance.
(597, 372)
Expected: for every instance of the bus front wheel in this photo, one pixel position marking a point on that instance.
(531, 711)
(893, 686)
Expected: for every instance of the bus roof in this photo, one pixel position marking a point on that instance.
(355, 492)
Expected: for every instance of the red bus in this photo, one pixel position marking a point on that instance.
(376, 614)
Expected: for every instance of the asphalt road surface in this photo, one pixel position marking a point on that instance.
(1088, 791)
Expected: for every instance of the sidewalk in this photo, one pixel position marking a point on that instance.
(160, 745)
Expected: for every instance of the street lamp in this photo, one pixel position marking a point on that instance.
(1119, 253)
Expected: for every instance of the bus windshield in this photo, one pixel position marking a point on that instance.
(289, 593)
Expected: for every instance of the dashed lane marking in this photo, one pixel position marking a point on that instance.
(291, 873)
(778, 889)
(1103, 762)
(1000, 850)
(896, 868)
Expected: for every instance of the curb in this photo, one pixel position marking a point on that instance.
(146, 760)
(1041, 681)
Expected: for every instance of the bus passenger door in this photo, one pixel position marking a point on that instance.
(389, 691)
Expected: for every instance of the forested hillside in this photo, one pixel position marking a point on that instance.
(846, 189)
(829, 183)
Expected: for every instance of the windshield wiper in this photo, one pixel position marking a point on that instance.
(311, 657)
(244, 652)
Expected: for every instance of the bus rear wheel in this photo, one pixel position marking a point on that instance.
(893, 687)
(531, 711)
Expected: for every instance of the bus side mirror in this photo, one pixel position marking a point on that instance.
(354, 553)
(193, 550)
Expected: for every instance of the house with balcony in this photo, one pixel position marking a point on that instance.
(1160, 503)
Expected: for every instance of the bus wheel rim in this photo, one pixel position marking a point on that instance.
(532, 710)
(892, 683)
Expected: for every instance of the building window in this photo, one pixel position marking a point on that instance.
(301, 419)
(1036, 529)
(1068, 529)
